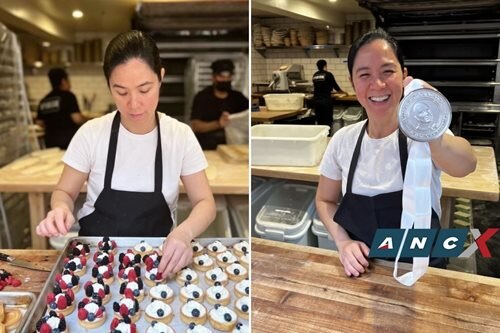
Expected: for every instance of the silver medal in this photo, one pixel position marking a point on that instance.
(424, 114)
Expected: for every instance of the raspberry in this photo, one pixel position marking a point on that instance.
(16, 282)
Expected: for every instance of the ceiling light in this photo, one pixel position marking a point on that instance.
(38, 64)
(332, 0)
(77, 14)
(45, 44)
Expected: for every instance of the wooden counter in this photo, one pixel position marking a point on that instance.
(38, 173)
(304, 289)
(265, 116)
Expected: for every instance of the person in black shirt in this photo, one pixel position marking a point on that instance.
(59, 112)
(213, 105)
(324, 82)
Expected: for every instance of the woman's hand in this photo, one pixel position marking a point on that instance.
(57, 223)
(353, 255)
(177, 253)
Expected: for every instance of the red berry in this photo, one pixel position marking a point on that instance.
(82, 314)
(51, 298)
(61, 303)
(45, 328)
(16, 282)
(123, 310)
(9, 280)
(132, 276)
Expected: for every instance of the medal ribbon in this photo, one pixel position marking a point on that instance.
(416, 199)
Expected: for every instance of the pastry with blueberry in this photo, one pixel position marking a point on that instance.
(124, 325)
(218, 294)
(197, 248)
(194, 328)
(162, 292)
(128, 306)
(61, 301)
(241, 328)
(76, 264)
(216, 275)
(186, 275)
(222, 318)
(152, 275)
(215, 248)
(102, 258)
(159, 327)
(104, 272)
(203, 263)
(242, 306)
(68, 280)
(53, 322)
(193, 312)
(135, 287)
(129, 259)
(244, 260)
(129, 273)
(91, 313)
(241, 248)
(191, 291)
(236, 272)
(226, 258)
(143, 248)
(158, 311)
(97, 290)
(242, 288)
(107, 245)
(79, 249)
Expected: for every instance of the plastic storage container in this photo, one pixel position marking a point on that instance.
(352, 115)
(287, 215)
(325, 241)
(338, 122)
(260, 194)
(288, 145)
(219, 228)
(284, 102)
(237, 206)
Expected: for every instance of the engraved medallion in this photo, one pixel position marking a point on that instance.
(424, 114)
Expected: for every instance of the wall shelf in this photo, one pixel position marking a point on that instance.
(307, 49)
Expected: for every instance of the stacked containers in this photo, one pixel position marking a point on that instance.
(325, 241)
(352, 115)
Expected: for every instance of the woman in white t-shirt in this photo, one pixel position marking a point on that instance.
(367, 160)
(132, 160)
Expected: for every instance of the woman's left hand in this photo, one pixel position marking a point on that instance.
(177, 253)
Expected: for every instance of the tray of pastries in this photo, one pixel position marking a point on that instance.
(113, 285)
(15, 310)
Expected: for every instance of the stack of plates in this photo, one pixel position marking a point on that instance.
(266, 35)
(306, 36)
(257, 35)
(277, 37)
(322, 37)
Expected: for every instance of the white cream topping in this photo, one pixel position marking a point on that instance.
(198, 245)
(219, 247)
(132, 285)
(218, 314)
(219, 273)
(144, 244)
(244, 258)
(126, 270)
(91, 307)
(97, 286)
(190, 306)
(224, 293)
(243, 301)
(103, 269)
(230, 257)
(242, 329)
(207, 261)
(154, 306)
(53, 322)
(242, 285)
(232, 267)
(187, 291)
(198, 329)
(159, 327)
(240, 245)
(128, 302)
(155, 292)
(187, 271)
(151, 272)
(67, 278)
(124, 328)
(77, 261)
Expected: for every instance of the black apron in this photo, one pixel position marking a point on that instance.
(124, 213)
(362, 215)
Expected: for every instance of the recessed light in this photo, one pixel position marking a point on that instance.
(45, 44)
(77, 14)
(38, 64)
(332, 0)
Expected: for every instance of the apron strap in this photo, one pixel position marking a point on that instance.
(113, 142)
(403, 152)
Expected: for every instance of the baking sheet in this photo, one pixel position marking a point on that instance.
(22, 300)
(125, 243)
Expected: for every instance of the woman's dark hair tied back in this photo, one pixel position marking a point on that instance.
(369, 37)
(129, 45)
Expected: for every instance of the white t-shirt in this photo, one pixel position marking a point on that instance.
(135, 156)
(378, 170)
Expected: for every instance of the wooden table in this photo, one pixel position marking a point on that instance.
(482, 184)
(38, 173)
(264, 116)
(304, 289)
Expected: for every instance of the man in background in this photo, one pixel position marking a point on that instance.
(59, 112)
(324, 82)
(213, 105)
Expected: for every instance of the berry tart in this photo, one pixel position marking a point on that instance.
(91, 313)
(241, 328)
(53, 322)
(104, 258)
(107, 245)
(218, 294)
(129, 273)
(162, 292)
(216, 275)
(242, 288)
(222, 318)
(124, 325)
(186, 275)
(128, 306)
(68, 280)
(142, 248)
(154, 257)
(152, 275)
(215, 248)
(241, 248)
(129, 259)
(236, 272)
(193, 328)
(135, 287)
(97, 290)
(193, 312)
(79, 249)
(76, 264)
(61, 301)
(191, 291)
(197, 248)
(244, 259)
(242, 307)
(104, 272)
(158, 311)
(226, 258)
(159, 327)
(203, 263)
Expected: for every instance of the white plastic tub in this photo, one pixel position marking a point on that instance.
(352, 115)
(288, 145)
(325, 241)
(284, 102)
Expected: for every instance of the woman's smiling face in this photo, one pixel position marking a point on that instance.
(377, 78)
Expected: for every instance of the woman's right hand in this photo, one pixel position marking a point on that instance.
(353, 256)
(57, 223)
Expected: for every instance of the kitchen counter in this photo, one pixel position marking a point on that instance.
(37, 173)
(304, 289)
(265, 116)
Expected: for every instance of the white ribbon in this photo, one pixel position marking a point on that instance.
(416, 199)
